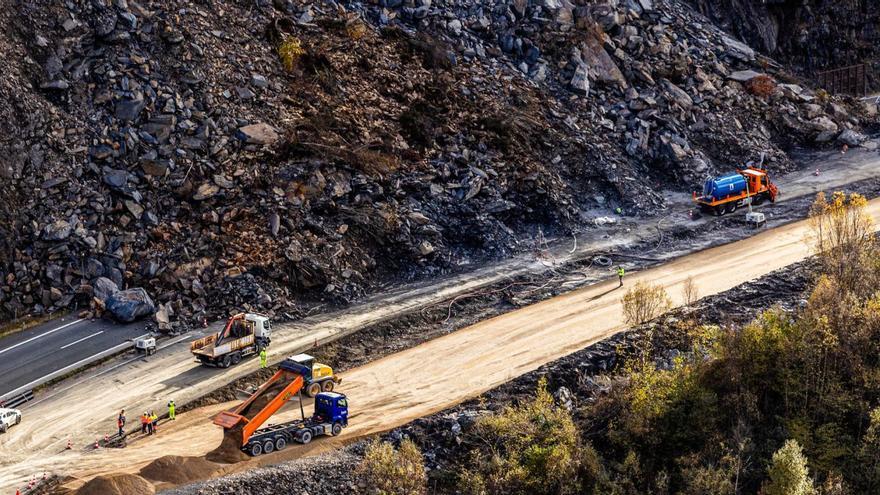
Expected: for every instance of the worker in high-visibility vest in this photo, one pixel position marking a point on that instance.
(171, 408)
(145, 421)
(620, 273)
(263, 359)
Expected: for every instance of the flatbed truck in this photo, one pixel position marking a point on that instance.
(245, 334)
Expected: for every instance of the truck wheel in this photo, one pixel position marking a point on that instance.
(256, 449)
(280, 443)
(758, 200)
(236, 358)
(268, 446)
(306, 437)
(336, 429)
(313, 390)
(719, 210)
(328, 386)
(224, 363)
(731, 207)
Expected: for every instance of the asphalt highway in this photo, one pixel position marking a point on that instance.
(28, 356)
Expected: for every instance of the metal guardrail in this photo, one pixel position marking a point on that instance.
(852, 80)
(67, 369)
(18, 399)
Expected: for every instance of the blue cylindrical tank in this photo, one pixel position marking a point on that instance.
(719, 188)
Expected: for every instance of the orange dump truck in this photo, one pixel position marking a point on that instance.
(295, 374)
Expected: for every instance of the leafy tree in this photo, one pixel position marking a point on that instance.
(789, 474)
(869, 453)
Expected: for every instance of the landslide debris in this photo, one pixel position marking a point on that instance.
(273, 155)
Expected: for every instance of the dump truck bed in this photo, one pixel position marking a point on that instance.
(207, 347)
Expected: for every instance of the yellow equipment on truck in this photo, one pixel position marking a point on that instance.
(244, 334)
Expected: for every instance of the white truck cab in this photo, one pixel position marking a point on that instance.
(9, 418)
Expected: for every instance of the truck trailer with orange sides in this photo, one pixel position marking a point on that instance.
(245, 334)
(725, 194)
(329, 418)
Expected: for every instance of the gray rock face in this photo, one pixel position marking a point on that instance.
(580, 81)
(743, 75)
(130, 304)
(739, 50)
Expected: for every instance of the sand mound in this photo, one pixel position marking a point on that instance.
(178, 470)
(117, 484)
(229, 451)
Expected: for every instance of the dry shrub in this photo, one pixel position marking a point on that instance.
(355, 29)
(394, 472)
(644, 302)
(290, 50)
(690, 292)
(843, 238)
(762, 86)
(374, 162)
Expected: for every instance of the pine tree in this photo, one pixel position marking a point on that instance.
(788, 472)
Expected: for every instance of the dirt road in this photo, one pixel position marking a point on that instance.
(448, 370)
(393, 390)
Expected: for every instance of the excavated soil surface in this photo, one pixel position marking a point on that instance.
(179, 470)
(117, 484)
(439, 435)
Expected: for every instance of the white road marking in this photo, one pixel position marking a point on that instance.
(62, 327)
(82, 339)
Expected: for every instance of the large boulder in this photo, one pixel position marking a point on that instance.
(130, 304)
(103, 288)
(851, 137)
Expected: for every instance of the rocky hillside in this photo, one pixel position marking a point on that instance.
(809, 35)
(269, 155)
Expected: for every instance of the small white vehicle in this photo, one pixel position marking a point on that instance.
(9, 418)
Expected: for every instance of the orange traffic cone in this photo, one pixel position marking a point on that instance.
(69, 444)
(97, 445)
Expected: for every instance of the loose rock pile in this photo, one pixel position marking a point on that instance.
(166, 147)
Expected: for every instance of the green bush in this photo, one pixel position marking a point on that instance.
(386, 471)
(290, 50)
(531, 448)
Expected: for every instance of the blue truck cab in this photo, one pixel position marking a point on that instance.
(331, 407)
